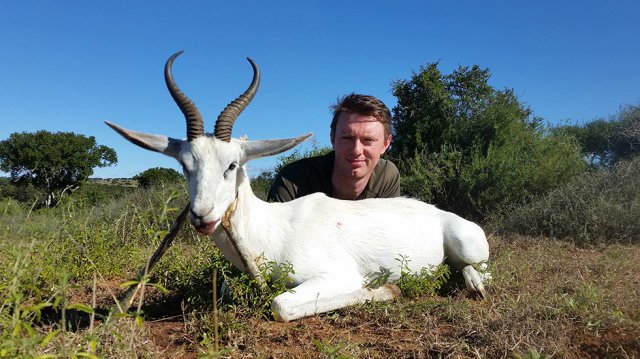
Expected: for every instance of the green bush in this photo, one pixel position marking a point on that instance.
(262, 183)
(514, 169)
(596, 207)
(158, 176)
(10, 206)
(26, 194)
(469, 148)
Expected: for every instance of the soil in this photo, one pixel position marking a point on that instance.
(532, 307)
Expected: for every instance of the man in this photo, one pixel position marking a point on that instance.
(360, 134)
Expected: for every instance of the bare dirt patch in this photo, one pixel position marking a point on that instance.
(547, 296)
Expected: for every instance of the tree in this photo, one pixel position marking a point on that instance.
(469, 148)
(605, 142)
(158, 176)
(595, 139)
(53, 162)
(626, 143)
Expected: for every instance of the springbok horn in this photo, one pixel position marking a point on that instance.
(228, 116)
(195, 125)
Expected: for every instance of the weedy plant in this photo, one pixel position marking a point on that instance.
(47, 256)
(331, 351)
(412, 285)
(41, 323)
(247, 292)
(428, 281)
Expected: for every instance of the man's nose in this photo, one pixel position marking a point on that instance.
(357, 147)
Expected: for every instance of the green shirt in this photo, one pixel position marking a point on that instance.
(313, 174)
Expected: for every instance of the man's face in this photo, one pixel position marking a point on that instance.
(359, 141)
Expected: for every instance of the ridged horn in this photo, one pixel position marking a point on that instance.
(195, 124)
(224, 124)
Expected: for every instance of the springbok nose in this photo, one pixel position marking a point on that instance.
(194, 215)
(197, 216)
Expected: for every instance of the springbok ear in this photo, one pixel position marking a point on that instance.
(163, 144)
(262, 148)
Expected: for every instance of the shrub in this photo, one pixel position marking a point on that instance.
(513, 169)
(158, 176)
(469, 148)
(10, 206)
(27, 194)
(596, 207)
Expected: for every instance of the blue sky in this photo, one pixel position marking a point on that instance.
(70, 65)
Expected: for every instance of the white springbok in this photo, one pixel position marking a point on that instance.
(334, 246)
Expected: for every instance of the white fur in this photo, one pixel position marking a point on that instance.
(333, 245)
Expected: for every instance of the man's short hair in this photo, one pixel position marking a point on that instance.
(364, 105)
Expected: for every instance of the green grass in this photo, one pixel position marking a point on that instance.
(61, 267)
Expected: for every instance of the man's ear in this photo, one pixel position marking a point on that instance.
(387, 143)
(166, 145)
(262, 148)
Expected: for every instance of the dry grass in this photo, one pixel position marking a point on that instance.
(548, 296)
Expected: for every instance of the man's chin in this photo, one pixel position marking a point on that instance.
(360, 172)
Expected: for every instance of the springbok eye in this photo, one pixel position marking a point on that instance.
(232, 167)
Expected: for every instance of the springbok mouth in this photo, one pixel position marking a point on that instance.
(207, 228)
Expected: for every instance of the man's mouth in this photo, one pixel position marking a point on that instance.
(357, 163)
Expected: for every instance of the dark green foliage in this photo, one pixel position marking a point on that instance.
(246, 292)
(595, 140)
(469, 148)
(427, 281)
(158, 176)
(262, 183)
(25, 193)
(596, 207)
(53, 162)
(605, 142)
(5, 187)
(627, 142)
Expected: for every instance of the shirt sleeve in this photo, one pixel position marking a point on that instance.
(282, 190)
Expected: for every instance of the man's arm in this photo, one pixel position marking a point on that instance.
(393, 188)
(282, 190)
(388, 180)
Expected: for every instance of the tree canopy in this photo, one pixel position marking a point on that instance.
(604, 142)
(54, 162)
(470, 148)
(158, 176)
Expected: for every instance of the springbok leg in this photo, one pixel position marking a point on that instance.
(321, 295)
